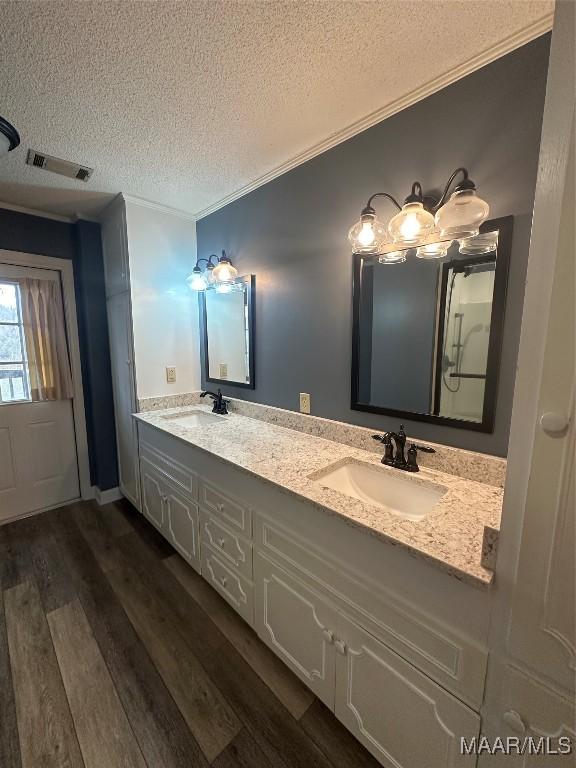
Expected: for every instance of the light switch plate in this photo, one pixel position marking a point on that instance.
(304, 402)
(171, 374)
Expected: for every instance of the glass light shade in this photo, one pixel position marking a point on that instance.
(434, 250)
(224, 287)
(411, 224)
(368, 235)
(394, 257)
(224, 271)
(197, 281)
(462, 214)
(476, 246)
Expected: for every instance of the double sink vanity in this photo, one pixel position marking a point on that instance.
(355, 574)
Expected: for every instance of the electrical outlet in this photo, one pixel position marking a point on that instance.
(171, 374)
(304, 402)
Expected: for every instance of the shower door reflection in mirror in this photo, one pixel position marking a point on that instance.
(427, 332)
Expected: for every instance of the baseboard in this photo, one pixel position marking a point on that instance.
(107, 496)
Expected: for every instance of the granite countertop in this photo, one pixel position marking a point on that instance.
(451, 536)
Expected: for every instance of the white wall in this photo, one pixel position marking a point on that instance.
(162, 253)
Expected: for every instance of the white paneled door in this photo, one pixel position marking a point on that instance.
(38, 460)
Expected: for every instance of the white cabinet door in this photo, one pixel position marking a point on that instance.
(115, 249)
(298, 625)
(399, 714)
(153, 493)
(121, 357)
(543, 722)
(182, 525)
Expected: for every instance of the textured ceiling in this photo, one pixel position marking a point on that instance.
(184, 103)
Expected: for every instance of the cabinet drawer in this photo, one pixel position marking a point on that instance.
(185, 480)
(232, 548)
(233, 512)
(238, 591)
(398, 713)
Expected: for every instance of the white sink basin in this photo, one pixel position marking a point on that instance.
(383, 488)
(195, 418)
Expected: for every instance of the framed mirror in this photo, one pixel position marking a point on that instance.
(427, 333)
(227, 331)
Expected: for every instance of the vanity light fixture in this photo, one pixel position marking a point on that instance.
(424, 223)
(9, 138)
(218, 271)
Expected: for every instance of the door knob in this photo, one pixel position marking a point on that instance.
(554, 423)
(514, 721)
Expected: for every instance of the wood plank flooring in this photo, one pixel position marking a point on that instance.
(114, 652)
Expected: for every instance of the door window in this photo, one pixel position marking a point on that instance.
(14, 382)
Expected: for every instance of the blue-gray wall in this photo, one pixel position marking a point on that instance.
(292, 232)
(81, 243)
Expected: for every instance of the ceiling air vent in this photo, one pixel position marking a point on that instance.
(57, 165)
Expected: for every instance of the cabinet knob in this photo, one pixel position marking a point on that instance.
(164, 499)
(221, 543)
(554, 423)
(341, 647)
(328, 635)
(220, 507)
(514, 721)
(223, 581)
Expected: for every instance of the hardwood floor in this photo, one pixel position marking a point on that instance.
(114, 652)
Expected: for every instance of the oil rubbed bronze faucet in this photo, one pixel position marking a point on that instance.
(219, 405)
(394, 450)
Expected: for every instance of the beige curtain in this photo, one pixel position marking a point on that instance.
(45, 334)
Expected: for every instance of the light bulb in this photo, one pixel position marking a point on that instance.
(411, 224)
(197, 281)
(224, 271)
(368, 235)
(462, 215)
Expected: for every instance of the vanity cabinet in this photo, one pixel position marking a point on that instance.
(405, 683)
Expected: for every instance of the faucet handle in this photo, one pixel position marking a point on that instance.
(380, 438)
(424, 448)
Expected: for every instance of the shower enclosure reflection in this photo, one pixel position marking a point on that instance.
(462, 357)
(427, 332)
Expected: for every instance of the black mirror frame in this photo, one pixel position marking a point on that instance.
(250, 283)
(504, 226)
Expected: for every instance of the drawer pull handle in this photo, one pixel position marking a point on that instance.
(221, 543)
(514, 721)
(340, 646)
(164, 499)
(328, 635)
(223, 581)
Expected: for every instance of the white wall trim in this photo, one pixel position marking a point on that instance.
(64, 266)
(509, 44)
(36, 212)
(107, 496)
(134, 200)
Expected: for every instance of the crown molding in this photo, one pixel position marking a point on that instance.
(35, 212)
(143, 203)
(509, 44)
